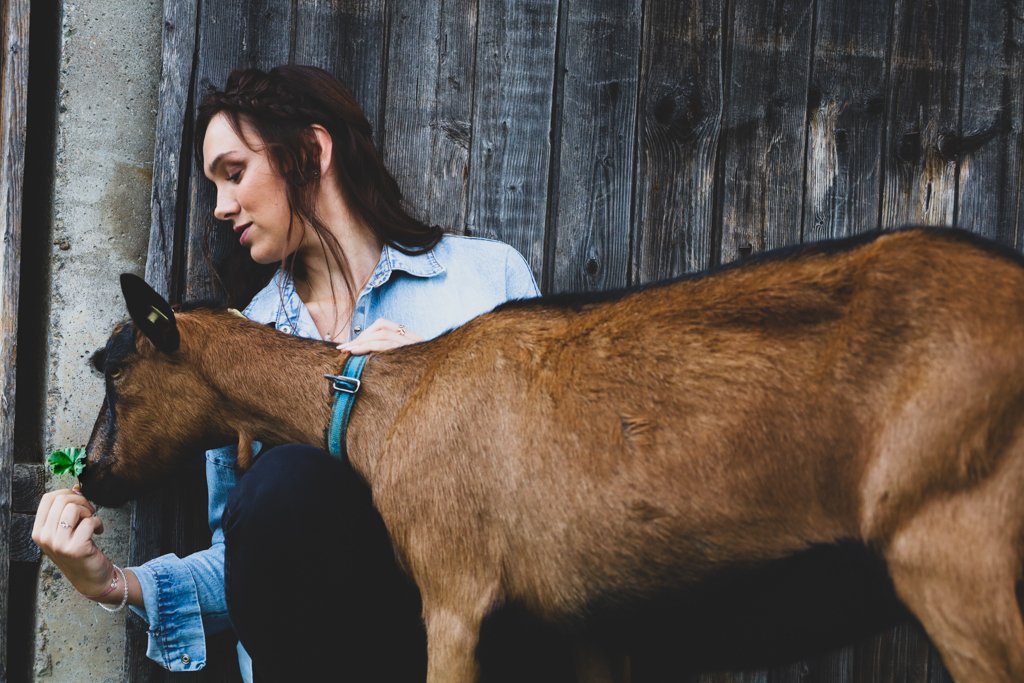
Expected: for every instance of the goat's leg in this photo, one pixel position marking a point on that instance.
(452, 637)
(955, 565)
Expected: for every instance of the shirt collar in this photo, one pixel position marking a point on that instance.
(418, 265)
(279, 303)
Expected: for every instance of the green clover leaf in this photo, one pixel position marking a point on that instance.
(67, 461)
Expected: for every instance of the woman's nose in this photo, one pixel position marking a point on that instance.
(226, 207)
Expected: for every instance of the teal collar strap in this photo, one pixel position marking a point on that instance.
(345, 387)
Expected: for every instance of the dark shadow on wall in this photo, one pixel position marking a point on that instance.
(33, 304)
(759, 617)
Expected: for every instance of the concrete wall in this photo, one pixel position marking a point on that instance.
(109, 74)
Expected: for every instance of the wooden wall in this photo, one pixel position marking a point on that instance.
(15, 524)
(617, 142)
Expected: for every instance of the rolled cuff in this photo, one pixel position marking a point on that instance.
(177, 640)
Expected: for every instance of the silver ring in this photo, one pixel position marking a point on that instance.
(401, 330)
(64, 525)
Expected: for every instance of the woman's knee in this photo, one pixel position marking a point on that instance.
(284, 484)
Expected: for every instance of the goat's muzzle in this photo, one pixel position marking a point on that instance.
(99, 483)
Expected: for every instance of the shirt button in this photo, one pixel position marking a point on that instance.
(287, 329)
(185, 659)
(357, 329)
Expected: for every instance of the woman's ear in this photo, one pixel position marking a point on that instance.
(326, 144)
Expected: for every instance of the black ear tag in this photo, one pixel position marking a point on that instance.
(150, 312)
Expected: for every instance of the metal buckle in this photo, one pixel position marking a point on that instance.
(343, 384)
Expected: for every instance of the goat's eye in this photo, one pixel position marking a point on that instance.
(116, 374)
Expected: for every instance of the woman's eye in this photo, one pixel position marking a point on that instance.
(235, 176)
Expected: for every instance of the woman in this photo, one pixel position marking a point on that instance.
(300, 563)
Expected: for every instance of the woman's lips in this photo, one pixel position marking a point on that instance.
(242, 231)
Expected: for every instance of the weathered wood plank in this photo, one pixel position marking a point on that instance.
(846, 118)
(346, 37)
(13, 107)
(232, 36)
(29, 486)
(763, 144)
(991, 146)
(171, 155)
(831, 667)
(678, 128)
(449, 163)
(923, 110)
(427, 111)
(899, 654)
(510, 152)
(23, 548)
(594, 167)
(410, 100)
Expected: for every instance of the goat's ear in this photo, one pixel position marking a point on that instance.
(150, 312)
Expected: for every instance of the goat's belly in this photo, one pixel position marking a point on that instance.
(753, 612)
(638, 555)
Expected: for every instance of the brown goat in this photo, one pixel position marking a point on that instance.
(564, 451)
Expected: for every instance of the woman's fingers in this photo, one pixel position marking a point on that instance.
(69, 518)
(59, 514)
(86, 529)
(380, 336)
(67, 508)
(45, 506)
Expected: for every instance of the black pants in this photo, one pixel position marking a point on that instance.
(313, 588)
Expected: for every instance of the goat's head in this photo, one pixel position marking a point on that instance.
(155, 399)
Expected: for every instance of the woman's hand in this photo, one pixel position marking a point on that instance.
(64, 528)
(380, 336)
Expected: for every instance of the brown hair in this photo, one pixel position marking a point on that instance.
(280, 105)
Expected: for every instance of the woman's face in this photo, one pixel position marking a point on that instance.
(250, 194)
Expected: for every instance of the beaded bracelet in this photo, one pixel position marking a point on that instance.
(124, 598)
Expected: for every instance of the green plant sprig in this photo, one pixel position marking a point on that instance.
(67, 461)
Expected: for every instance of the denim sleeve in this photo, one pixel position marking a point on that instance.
(519, 280)
(184, 597)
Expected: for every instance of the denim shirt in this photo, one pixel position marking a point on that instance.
(430, 293)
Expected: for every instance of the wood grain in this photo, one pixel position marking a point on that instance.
(679, 127)
(510, 153)
(990, 148)
(410, 98)
(594, 163)
(347, 38)
(448, 196)
(923, 111)
(846, 117)
(29, 486)
(171, 155)
(13, 121)
(23, 548)
(232, 36)
(427, 130)
(763, 144)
